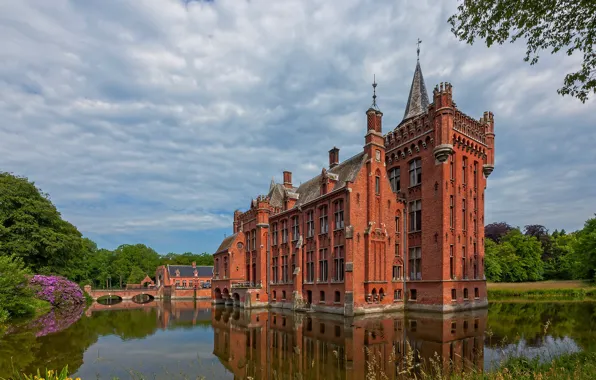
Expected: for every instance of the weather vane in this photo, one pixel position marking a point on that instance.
(418, 48)
(374, 90)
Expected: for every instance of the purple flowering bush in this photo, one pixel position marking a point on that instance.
(57, 290)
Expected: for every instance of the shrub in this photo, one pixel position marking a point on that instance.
(57, 290)
(15, 295)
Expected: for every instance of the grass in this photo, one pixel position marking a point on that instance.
(551, 290)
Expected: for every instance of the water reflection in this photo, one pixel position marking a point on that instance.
(274, 344)
(160, 339)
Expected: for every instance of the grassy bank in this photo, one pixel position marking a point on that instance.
(551, 290)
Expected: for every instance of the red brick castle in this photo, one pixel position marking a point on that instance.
(399, 225)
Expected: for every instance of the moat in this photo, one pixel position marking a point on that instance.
(188, 339)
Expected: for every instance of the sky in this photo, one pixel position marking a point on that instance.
(151, 121)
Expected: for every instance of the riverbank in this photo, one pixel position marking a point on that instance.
(551, 290)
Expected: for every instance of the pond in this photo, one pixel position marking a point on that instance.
(188, 339)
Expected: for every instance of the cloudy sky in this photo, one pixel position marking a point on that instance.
(152, 120)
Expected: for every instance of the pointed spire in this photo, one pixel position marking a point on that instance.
(272, 184)
(374, 97)
(418, 98)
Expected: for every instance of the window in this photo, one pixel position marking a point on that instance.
(322, 299)
(323, 269)
(451, 168)
(453, 295)
(323, 220)
(475, 175)
(397, 295)
(274, 235)
(415, 263)
(464, 219)
(254, 240)
(394, 176)
(216, 272)
(184, 284)
(284, 231)
(225, 264)
(451, 263)
(475, 263)
(396, 249)
(476, 293)
(415, 172)
(339, 214)
(377, 185)
(397, 224)
(283, 298)
(415, 216)
(396, 272)
(463, 263)
(310, 266)
(274, 270)
(465, 293)
(274, 296)
(337, 298)
(338, 262)
(295, 229)
(310, 224)
(413, 297)
(284, 269)
(451, 216)
(464, 166)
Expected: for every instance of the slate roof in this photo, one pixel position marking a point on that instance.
(345, 171)
(418, 98)
(226, 243)
(276, 194)
(188, 270)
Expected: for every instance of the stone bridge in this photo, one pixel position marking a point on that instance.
(124, 294)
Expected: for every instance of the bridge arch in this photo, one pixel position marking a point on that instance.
(217, 293)
(236, 299)
(109, 299)
(225, 293)
(143, 298)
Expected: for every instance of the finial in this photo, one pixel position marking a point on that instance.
(374, 85)
(418, 48)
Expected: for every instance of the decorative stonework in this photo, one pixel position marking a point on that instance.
(442, 152)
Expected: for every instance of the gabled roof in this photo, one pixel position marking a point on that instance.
(189, 271)
(418, 98)
(226, 243)
(276, 194)
(345, 171)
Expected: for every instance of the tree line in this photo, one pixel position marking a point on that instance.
(33, 233)
(534, 254)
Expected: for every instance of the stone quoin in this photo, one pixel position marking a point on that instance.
(400, 225)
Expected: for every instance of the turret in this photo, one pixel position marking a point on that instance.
(444, 113)
(489, 123)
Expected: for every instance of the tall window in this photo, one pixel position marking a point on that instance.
(451, 263)
(464, 220)
(415, 216)
(274, 235)
(475, 264)
(284, 231)
(451, 167)
(464, 167)
(310, 266)
(295, 229)
(415, 263)
(274, 270)
(396, 272)
(416, 172)
(451, 216)
(323, 265)
(394, 175)
(463, 262)
(339, 214)
(397, 224)
(338, 262)
(396, 249)
(475, 175)
(377, 185)
(284, 269)
(310, 224)
(225, 265)
(216, 271)
(254, 240)
(323, 220)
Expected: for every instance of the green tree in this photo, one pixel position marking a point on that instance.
(555, 25)
(126, 257)
(528, 252)
(136, 276)
(15, 294)
(585, 248)
(32, 229)
(492, 265)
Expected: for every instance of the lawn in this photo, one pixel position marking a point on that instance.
(542, 290)
(540, 285)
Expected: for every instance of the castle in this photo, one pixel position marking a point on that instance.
(400, 225)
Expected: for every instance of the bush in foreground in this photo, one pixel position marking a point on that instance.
(15, 294)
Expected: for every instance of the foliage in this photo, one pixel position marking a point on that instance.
(516, 258)
(187, 258)
(48, 374)
(32, 229)
(495, 231)
(15, 294)
(57, 290)
(585, 246)
(553, 25)
(136, 276)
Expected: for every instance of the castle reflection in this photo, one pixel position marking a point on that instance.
(279, 345)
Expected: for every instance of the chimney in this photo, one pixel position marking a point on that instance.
(194, 264)
(333, 157)
(288, 180)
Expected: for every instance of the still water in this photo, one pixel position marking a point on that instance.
(190, 339)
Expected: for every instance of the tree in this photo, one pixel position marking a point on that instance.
(32, 229)
(126, 257)
(15, 294)
(585, 248)
(136, 276)
(495, 231)
(554, 25)
(528, 252)
(492, 265)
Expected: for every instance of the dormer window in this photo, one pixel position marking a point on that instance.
(177, 273)
(196, 273)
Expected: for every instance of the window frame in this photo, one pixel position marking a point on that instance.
(415, 172)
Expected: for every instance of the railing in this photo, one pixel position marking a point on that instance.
(247, 284)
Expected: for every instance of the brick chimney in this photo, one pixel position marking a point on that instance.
(288, 179)
(333, 157)
(194, 264)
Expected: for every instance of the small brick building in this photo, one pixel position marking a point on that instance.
(183, 276)
(398, 225)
